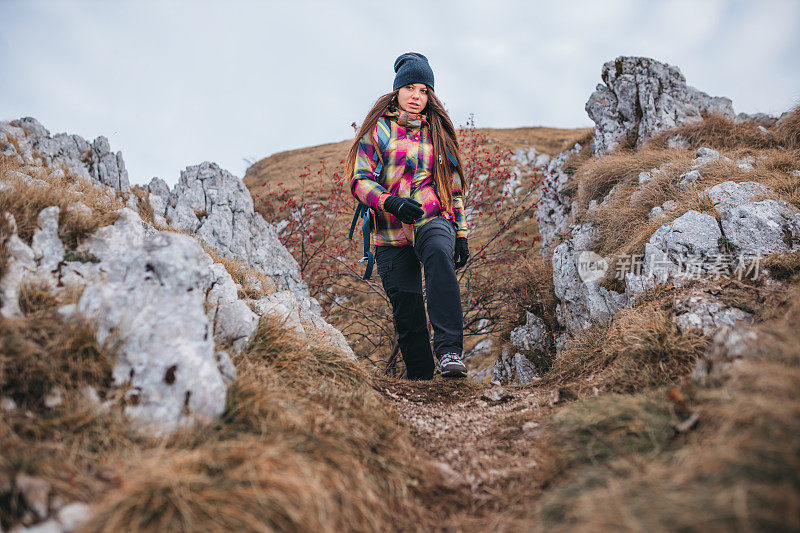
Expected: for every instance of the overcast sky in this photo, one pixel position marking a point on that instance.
(173, 84)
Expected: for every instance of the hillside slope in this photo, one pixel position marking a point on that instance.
(286, 166)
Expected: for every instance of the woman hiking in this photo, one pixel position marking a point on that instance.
(418, 212)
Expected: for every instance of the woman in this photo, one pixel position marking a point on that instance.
(418, 213)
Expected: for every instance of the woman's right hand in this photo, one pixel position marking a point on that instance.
(406, 209)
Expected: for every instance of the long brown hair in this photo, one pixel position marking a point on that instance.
(442, 134)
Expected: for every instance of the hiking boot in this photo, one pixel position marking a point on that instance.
(451, 365)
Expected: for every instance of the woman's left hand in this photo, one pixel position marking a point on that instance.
(461, 252)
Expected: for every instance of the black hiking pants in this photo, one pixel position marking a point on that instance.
(399, 269)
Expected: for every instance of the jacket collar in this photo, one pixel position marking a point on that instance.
(406, 119)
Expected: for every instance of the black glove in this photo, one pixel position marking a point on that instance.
(406, 209)
(461, 252)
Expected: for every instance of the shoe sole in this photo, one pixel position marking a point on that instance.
(454, 373)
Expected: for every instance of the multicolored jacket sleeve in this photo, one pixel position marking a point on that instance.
(362, 184)
(459, 215)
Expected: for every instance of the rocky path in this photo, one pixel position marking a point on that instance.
(490, 446)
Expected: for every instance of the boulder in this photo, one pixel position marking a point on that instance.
(582, 300)
(679, 250)
(730, 194)
(216, 206)
(532, 335)
(730, 345)
(641, 97)
(554, 208)
(761, 228)
(146, 302)
(93, 162)
(753, 225)
(700, 309)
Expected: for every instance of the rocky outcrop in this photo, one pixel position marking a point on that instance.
(730, 345)
(702, 309)
(514, 368)
(577, 275)
(156, 300)
(31, 144)
(696, 245)
(554, 208)
(679, 250)
(532, 335)
(641, 97)
(161, 304)
(145, 295)
(752, 225)
(215, 205)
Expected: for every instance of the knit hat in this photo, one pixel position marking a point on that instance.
(412, 67)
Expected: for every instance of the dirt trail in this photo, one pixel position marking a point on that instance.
(494, 452)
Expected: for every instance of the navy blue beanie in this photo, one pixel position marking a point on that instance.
(412, 67)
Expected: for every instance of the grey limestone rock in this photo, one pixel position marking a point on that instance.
(217, 207)
(147, 302)
(656, 212)
(730, 345)
(677, 251)
(94, 162)
(701, 309)
(641, 97)
(553, 211)
(46, 245)
(513, 368)
(752, 224)
(688, 179)
(532, 335)
(582, 300)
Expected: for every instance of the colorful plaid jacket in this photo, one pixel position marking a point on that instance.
(407, 173)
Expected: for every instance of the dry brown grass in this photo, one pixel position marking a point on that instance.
(305, 444)
(532, 290)
(142, 202)
(788, 132)
(66, 445)
(241, 272)
(737, 471)
(624, 224)
(639, 350)
(575, 160)
(718, 132)
(26, 202)
(6, 231)
(783, 266)
(40, 352)
(36, 297)
(596, 177)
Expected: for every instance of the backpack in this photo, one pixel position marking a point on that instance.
(363, 210)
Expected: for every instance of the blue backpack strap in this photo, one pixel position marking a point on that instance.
(362, 210)
(452, 159)
(368, 256)
(355, 219)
